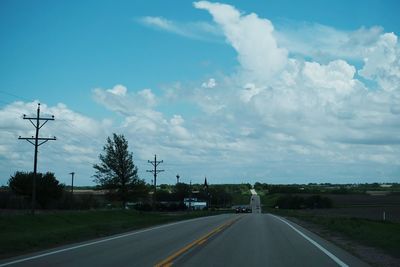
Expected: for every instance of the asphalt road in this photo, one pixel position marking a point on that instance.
(255, 202)
(223, 240)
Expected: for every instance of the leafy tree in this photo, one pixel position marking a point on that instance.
(181, 191)
(48, 188)
(219, 196)
(117, 172)
(164, 195)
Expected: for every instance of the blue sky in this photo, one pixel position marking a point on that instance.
(240, 91)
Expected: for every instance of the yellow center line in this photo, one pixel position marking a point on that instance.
(168, 261)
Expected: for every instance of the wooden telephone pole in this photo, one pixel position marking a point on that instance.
(37, 122)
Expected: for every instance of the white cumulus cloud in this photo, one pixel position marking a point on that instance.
(263, 58)
(382, 62)
(211, 83)
(118, 90)
(298, 107)
(195, 30)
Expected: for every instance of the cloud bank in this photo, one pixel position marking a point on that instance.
(297, 108)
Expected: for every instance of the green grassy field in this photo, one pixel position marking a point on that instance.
(379, 234)
(26, 233)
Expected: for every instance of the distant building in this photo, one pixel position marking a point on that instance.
(378, 193)
(90, 192)
(194, 204)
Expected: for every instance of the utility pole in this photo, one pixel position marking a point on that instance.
(177, 178)
(155, 163)
(72, 183)
(190, 196)
(72, 190)
(36, 122)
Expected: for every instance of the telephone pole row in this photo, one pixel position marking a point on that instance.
(37, 122)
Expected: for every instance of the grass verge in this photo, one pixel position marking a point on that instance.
(379, 234)
(26, 233)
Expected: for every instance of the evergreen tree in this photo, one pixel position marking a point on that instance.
(117, 172)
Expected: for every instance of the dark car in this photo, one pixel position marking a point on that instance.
(242, 210)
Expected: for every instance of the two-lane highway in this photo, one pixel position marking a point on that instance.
(223, 240)
(139, 248)
(267, 240)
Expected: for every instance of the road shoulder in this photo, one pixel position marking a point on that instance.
(373, 256)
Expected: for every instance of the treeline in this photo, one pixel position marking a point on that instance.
(325, 188)
(50, 193)
(299, 189)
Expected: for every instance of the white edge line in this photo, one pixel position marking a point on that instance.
(329, 254)
(97, 242)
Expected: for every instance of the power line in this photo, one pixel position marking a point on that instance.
(69, 123)
(64, 120)
(14, 95)
(81, 132)
(38, 124)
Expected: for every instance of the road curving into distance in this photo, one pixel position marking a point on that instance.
(222, 240)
